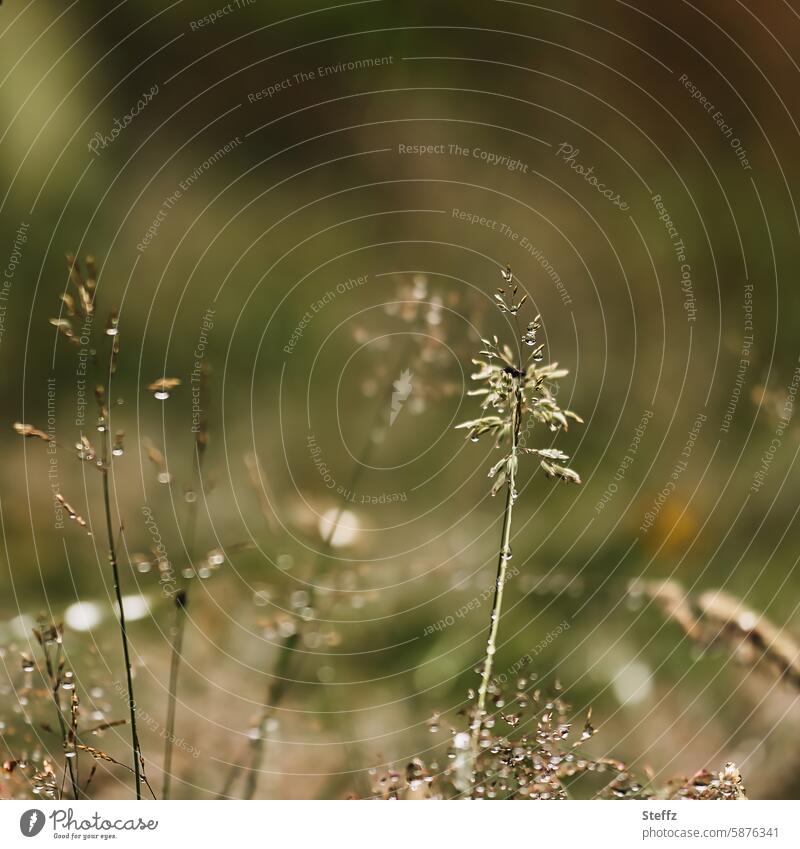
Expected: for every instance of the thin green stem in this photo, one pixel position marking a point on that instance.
(502, 566)
(277, 685)
(278, 681)
(179, 627)
(178, 630)
(112, 556)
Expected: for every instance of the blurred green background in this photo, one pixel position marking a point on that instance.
(315, 190)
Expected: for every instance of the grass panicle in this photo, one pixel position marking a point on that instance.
(513, 386)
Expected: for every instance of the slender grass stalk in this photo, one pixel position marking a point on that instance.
(179, 617)
(85, 309)
(178, 630)
(513, 386)
(277, 686)
(278, 683)
(112, 557)
(502, 565)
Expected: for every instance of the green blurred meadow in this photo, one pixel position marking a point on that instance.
(265, 217)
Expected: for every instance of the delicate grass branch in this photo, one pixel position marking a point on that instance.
(278, 683)
(47, 635)
(513, 387)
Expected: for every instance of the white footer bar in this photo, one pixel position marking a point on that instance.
(400, 825)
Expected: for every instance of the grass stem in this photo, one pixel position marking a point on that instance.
(181, 598)
(112, 556)
(179, 627)
(277, 685)
(502, 566)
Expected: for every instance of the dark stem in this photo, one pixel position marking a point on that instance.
(112, 556)
(179, 626)
(178, 629)
(278, 680)
(278, 683)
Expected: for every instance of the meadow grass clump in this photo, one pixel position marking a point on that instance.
(78, 310)
(534, 750)
(30, 766)
(515, 387)
(422, 313)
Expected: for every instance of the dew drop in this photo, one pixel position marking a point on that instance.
(299, 599)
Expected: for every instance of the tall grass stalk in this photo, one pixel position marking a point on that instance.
(181, 598)
(502, 566)
(513, 386)
(82, 307)
(176, 655)
(112, 557)
(278, 683)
